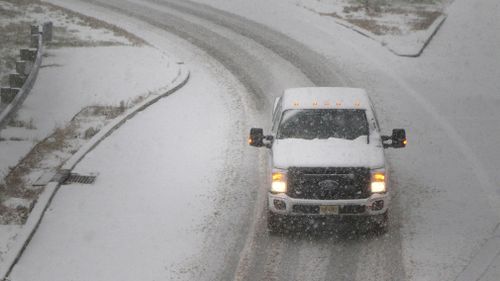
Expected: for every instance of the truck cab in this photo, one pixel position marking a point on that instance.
(326, 157)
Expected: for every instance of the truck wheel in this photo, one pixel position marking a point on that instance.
(275, 222)
(381, 226)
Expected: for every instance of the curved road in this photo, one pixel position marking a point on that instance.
(308, 254)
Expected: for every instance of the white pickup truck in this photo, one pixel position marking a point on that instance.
(327, 157)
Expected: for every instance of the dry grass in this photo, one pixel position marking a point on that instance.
(30, 124)
(17, 33)
(62, 140)
(371, 7)
(13, 216)
(139, 99)
(7, 13)
(66, 38)
(374, 27)
(109, 112)
(95, 24)
(427, 19)
(15, 183)
(90, 132)
(367, 24)
(369, 15)
(2, 192)
(23, 2)
(352, 9)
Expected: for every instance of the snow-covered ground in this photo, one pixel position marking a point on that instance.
(145, 204)
(84, 77)
(112, 72)
(404, 27)
(70, 30)
(447, 201)
(169, 183)
(72, 79)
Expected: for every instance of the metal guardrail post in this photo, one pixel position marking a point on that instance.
(35, 29)
(28, 54)
(16, 80)
(7, 95)
(24, 67)
(47, 31)
(34, 41)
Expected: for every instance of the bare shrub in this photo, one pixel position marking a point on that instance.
(427, 19)
(90, 132)
(110, 112)
(122, 107)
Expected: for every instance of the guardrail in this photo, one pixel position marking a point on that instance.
(21, 82)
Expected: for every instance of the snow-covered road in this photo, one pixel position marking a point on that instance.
(180, 196)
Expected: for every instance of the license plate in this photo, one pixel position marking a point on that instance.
(328, 210)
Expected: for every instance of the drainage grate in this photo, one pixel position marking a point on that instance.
(83, 179)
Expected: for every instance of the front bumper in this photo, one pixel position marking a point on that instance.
(282, 204)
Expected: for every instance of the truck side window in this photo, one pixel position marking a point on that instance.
(276, 117)
(375, 118)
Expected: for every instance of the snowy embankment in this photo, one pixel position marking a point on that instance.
(166, 180)
(404, 27)
(79, 90)
(154, 200)
(72, 80)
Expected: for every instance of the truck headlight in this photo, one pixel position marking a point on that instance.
(278, 184)
(378, 182)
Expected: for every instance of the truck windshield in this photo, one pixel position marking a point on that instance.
(323, 124)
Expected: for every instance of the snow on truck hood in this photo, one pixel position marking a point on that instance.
(327, 153)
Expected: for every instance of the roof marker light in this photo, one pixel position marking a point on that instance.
(296, 103)
(339, 103)
(315, 103)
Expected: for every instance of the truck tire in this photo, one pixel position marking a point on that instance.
(275, 223)
(381, 227)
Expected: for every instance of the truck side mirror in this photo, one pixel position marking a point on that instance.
(398, 139)
(256, 137)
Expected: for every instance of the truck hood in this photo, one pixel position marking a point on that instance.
(327, 153)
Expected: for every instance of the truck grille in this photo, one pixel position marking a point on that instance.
(328, 183)
(314, 209)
